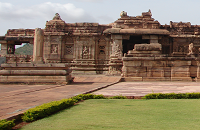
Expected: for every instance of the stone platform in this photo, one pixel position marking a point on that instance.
(140, 89)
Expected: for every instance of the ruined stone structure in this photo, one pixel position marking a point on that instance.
(138, 48)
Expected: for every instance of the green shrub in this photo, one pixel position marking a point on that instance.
(87, 96)
(118, 97)
(172, 96)
(46, 109)
(6, 125)
(99, 97)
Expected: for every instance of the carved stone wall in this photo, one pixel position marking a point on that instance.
(52, 49)
(93, 48)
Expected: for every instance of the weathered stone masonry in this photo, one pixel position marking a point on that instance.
(138, 48)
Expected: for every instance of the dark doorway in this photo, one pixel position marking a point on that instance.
(129, 44)
(165, 49)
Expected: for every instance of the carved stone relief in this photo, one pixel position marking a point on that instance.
(54, 49)
(11, 49)
(84, 48)
(116, 49)
(102, 50)
(69, 49)
(85, 52)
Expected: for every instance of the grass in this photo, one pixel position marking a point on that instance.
(126, 114)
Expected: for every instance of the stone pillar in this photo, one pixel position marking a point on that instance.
(115, 63)
(4, 48)
(117, 46)
(38, 46)
(153, 39)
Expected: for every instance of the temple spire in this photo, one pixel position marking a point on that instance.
(57, 17)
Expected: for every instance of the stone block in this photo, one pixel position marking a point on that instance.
(180, 69)
(4, 46)
(19, 79)
(186, 79)
(49, 79)
(3, 78)
(193, 71)
(152, 79)
(136, 69)
(3, 52)
(132, 79)
(116, 37)
(167, 71)
(140, 74)
(133, 63)
(154, 63)
(143, 52)
(2, 60)
(180, 63)
(153, 41)
(28, 65)
(148, 47)
(180, 74)
(155, 72)
(8, 65)
(159, 72)
(153, 37)
(198, 79)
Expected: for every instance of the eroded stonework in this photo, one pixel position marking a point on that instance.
(138, 48)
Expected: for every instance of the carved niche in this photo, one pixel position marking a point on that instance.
(84, 48)
(54, 49)
(85, 52)
(54, 44)
(102, 52)
(102, 47)
(11, 49)
(69, 49)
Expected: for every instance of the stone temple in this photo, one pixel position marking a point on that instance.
(137, 48)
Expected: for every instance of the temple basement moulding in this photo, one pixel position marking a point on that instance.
(137, 48)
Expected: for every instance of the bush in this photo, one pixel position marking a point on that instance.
(172, 96)
(6, 125)
(87, 96)
(118, 97)
(46, 109)
(99, 97)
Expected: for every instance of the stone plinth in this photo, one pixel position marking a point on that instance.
(35, 73)
(146, 63)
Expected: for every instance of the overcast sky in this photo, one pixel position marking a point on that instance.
(34, 13)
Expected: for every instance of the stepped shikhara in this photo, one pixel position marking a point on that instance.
(138, 48)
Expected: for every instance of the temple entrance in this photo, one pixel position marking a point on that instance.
(129, 44)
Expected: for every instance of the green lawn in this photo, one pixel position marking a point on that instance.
(125, 114)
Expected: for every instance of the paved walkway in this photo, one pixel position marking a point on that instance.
(15, 99)
(139, 89)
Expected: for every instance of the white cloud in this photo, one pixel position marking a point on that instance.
(14, 17)
(45, 11)
(90, 0)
